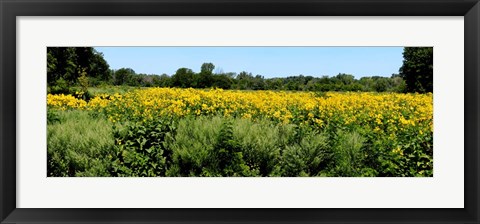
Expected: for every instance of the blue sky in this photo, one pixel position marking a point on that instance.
(267, 61)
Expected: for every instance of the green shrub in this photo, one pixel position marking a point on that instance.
(139, 148)
(307, 157)
(217, 146)
(261, 143)
(52, 116)
(348, 153)
(413, 155)
(84, 143)
(193, 145)
(228, 153)
(61, 86)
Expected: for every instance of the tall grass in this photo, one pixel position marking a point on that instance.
(110, 90)
(84, 144)
(78, 144)
(205, 146)
(348, 151)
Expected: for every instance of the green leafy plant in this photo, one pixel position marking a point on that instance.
(52, 116)
(228, 154)
(139, 148)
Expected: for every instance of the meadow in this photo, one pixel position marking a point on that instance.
(175, 132)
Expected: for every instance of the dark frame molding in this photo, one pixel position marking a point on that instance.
(10, 9)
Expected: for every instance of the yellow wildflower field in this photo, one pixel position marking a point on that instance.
(381, 111)
(390, 134)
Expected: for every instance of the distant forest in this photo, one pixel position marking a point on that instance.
(84, 66)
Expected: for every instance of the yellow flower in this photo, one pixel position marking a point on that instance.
(385, 113)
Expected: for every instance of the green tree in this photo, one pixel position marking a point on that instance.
(244, 80)
(381, 84)
(223, 81)
(123, 76)
(207, 68)
(274, 83)
(184, 78)
(205, 78)
(68, 62)
(83, 81)
(398, 84)
(417, 69)
(61, 63)
(162, 80)
(344, 79)
(258, 83)
(99, 67)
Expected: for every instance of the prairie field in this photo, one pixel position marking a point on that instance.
(175, 132)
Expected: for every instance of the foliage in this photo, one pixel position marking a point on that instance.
(139, 148)
(348, 152)
(264, 133)
(307, 156)
(262, 142)
(78, 144)
(84, 83)
(68, 63)
(205, 77)
(369, 127)
(219, 146)
(193, 146)
(183, 78)
(417, 69)
(52, 117)
(60, 87)
(124, 76)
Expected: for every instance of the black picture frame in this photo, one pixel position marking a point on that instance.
(10, 9)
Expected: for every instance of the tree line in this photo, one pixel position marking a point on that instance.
(84, 66)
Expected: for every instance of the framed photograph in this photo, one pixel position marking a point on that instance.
(239, 111)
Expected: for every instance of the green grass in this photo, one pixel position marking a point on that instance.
(82, 143)
(110, 90)
(78, 144)
(262, 148)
